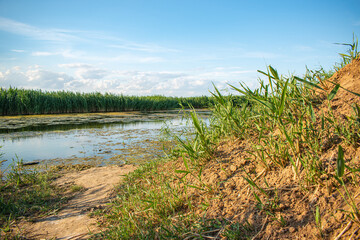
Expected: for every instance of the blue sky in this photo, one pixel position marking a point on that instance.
(167, 47)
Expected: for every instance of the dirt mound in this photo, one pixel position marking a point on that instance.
(272, 203)
(349, 78)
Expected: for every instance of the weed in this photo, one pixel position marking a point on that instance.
(26, 193)
(318, 220)
(238, 231)
(76, 188)
(354, 213)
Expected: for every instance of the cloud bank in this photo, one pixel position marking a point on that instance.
(82, 77)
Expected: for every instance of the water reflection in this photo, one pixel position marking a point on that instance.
(93, 142)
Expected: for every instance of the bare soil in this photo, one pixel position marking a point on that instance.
(349, 78)
(288, 211)
(95, 187)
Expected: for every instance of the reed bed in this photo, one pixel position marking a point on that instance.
(14, 101)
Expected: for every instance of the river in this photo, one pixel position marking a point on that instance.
(133, 138)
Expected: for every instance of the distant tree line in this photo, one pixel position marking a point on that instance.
(14, 101)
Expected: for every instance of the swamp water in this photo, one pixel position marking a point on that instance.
(136, 140)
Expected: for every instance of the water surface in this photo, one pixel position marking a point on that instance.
(94, 143)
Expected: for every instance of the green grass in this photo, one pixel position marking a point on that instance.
(14, 101)
(76, 188)
(149, 206)
(280, 122)
(26, 193)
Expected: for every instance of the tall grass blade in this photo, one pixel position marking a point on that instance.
(283, 97)
(340, 164)
(317, 216)
(308, 83)
(312, 113)
(274, 73)
(357, 94)
(266, 74)
(333, 92)
(218, 97)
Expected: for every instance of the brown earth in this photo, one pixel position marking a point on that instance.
(349, 78)
(288, 211)
(73, 220)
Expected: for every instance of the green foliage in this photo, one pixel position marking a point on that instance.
(149, 206)
(144, 205)
(352, 52)
(26, 193)
(340, 163)
(14, 101)
(280, 122)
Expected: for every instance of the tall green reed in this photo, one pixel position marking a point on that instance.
(14, 101)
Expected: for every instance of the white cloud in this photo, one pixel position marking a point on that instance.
(75, 65)
(89, 78)
(18, 50)
(66, 36)
(151, 48)
(121, 58)
(35, 78)
(85, 71)
(127, 58)
(37, 54)
(63, 53)
(88, 73)
(50, 34)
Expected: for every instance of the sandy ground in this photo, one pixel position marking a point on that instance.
(72, 221)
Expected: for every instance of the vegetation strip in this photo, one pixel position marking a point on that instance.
(14, 101)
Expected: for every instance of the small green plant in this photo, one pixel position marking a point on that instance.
(76, 188)
(239, 231)
(354, 213)
(1, 162)
(26, 193)
(352, 52)
(318, 220)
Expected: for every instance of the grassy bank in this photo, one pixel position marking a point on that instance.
(284, 165)
(26, 194)
(14, 101)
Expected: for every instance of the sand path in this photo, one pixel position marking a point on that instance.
(72, 221)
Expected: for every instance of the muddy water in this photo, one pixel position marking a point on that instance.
(110, 139)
